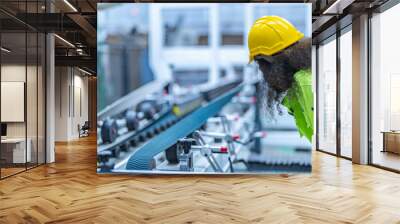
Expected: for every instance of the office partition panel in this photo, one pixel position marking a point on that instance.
(41, 96)
(15, 149)
(31, 100)
(22, 77)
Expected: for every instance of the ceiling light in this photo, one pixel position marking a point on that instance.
(79, 51)
(70, 5)
(84, 71)
(65, 41)
(337, 7)
(5, 50)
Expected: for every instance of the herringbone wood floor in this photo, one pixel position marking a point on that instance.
(70, 191)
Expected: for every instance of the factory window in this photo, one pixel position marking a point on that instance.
(231, 27)
(327, 95)
(238, 71)
(385, 89)
(346, 92)
(222, 73)
(233, 72)
(190, 77)
(122, 51)
(187, 27)
(288, 11)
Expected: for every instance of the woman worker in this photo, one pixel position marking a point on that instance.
(283, 55)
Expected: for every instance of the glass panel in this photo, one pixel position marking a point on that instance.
(31, 98)
(289, 11)
(41, 99)
(22, 87)
(32, 88)
(13, 80)
(346, 93)
(385, 84)
(231, 27)
(327, 96)
(189, 27)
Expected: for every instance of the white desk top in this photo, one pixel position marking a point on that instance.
(13, 140)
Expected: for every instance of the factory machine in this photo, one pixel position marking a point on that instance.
(212, 130)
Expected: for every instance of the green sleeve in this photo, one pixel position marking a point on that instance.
(305, 95)
(299, 102)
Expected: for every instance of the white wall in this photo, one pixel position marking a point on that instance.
(80, 100)
(71, 94)
(61, 103)
(14, 73)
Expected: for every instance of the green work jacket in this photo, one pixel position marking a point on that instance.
(299, 103)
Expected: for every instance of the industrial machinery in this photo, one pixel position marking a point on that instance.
(212, 130)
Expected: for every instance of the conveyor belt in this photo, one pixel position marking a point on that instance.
(165, 116)
(141, 159)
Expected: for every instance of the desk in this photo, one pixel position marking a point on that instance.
(13, 150)
(391, 141)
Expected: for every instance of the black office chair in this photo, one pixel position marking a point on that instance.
(84, 130)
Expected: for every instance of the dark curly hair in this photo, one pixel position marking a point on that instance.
(278, 71)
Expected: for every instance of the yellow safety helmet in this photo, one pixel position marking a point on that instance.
(270, 35)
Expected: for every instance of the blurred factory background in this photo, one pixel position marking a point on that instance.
(188, 43)
(191, 45)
